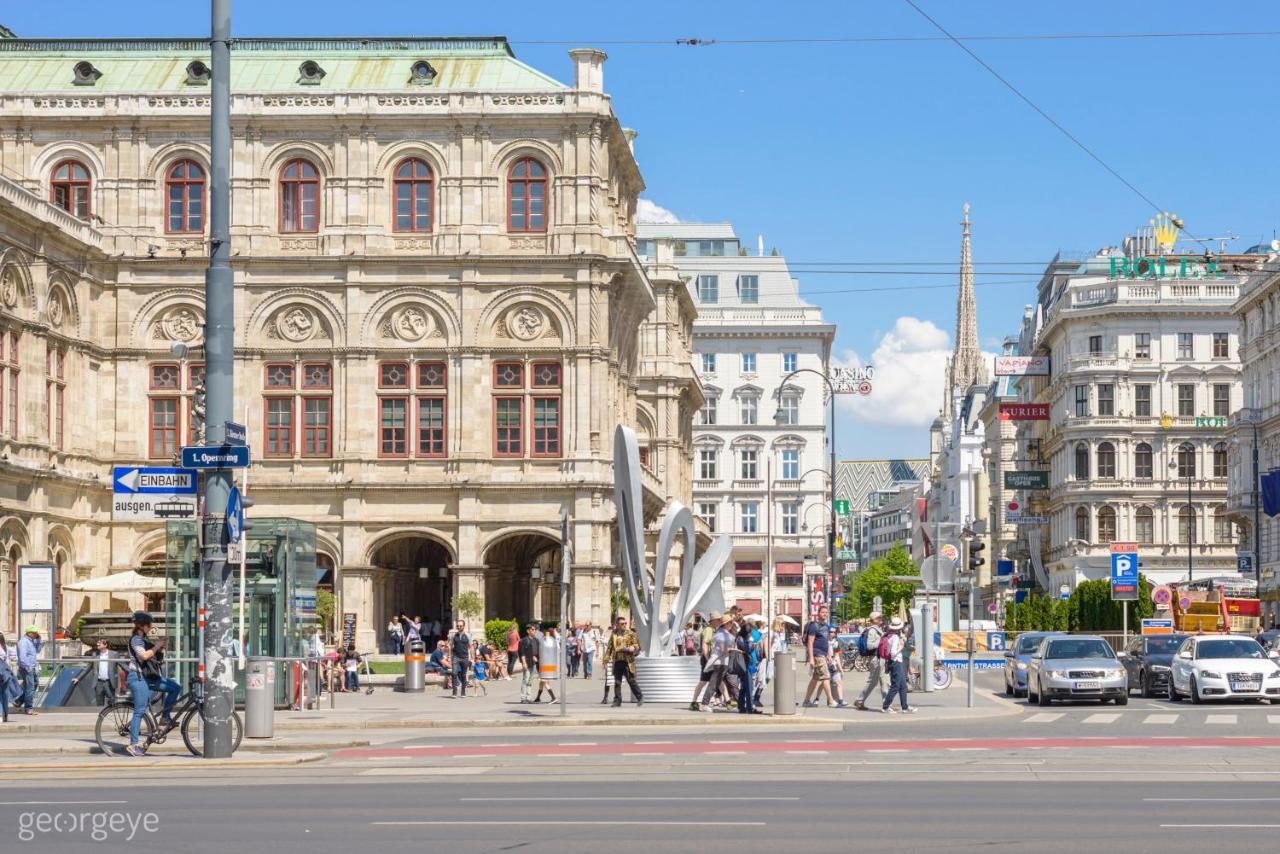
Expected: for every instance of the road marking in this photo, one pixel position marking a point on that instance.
(715, 741)
(653, 742)
(56, 803)
(1101, 718)
(1160, 719)
(577, 744)
(424, 747)
(1208, 800)
(1273, 719)
(726, 753)
(1043, 718)
(1220, 719)
(889, 750)
(561, 823)
(628, 799)
(554, 755)
(1222, 826)
(960, 749)
(455, 771)
(808, 752)
(640, 753)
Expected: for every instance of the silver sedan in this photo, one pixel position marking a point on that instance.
(1076, 667)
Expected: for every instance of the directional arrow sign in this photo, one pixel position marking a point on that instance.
(134, 480)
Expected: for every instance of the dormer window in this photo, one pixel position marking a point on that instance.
(421, 73)
(85, 73)
(310, 73)
(198, 73)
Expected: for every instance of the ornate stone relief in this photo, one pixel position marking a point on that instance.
(57, 310)
(410, 323)
(525, 323)
(9, 287)
(527, 242)
(178, 324)
(296, 323)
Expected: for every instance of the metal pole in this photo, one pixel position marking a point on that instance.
(831, 534)
(969, 697)
(1257, 520)
(564, 610)
(1191, 527)
(219, 338)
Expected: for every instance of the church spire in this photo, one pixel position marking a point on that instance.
(967, 365)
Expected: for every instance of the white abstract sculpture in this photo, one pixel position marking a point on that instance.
(656, 636)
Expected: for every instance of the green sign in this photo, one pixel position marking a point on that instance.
(1210, 421)
(845, 554)
(1160, 267)
(1026, 583)
(1026, 480)
(842, 506)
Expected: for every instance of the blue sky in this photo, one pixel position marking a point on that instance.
(866, 152)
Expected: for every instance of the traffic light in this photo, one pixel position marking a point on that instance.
(976, 547)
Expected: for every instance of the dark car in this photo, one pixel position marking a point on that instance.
(1146, 659)
(1016, 660)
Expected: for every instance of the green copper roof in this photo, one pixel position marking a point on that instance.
(262, 65)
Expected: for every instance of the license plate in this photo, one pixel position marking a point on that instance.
(1088, 686)
(1246, 686)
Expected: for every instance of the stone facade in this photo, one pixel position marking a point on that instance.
(430, 398)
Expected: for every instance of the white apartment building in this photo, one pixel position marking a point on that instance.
(893, 521)
(1145, 372)
(760, 462)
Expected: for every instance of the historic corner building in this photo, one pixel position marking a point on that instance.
(1132, 424)
(441, 317)
(760, 462)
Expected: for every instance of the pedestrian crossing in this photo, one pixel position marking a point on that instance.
(1152, 719)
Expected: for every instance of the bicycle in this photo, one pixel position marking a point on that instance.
(941, 676)
(112, 729)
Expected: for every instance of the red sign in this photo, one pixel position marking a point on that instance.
(1013, 505)
(1024, 412)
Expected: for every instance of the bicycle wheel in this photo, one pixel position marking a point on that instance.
(862, 663)
(193, 733)
(112, 729)
(941, 678)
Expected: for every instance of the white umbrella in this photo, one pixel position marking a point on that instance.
(754, 618)
(129, 581)
(788, 620)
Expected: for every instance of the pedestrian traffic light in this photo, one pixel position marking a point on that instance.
(976, 547)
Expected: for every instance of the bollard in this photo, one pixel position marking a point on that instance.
(415, 667)
(784, 683)
(259, 698)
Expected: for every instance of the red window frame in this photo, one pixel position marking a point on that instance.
(383, 435)
(503, 435)
(498, 367)
(70, 180)
(278, 438)
(307, 367)
(432, 441)
(173, 431)
(382, 367)
(301, 178)
(151, 376)
(414, 179)
(432, 363)
(545, 437)
(267, 379)
(536, 381)
(317, 436)
(526, 176)
(184, 186)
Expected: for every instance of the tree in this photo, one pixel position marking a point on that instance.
(467, 605)
(876, 580)
(1093, 610)
(326, 605)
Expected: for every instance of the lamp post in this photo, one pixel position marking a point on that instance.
(781, 418)
(1189, 450)
(1257, 519)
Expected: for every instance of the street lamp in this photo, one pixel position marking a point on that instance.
(1190, 450)
(780, 417)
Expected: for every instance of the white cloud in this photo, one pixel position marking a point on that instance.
(910, 363)
(647, 211)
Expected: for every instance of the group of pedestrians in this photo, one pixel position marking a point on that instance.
(887, 647)
(736, 657)
(19, 673)
(402, 630)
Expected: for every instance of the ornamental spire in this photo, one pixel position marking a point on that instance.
(967, 365)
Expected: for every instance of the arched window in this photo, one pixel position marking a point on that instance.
(1186, 525)
(69, 188)
(412, 196)
(1082, 524)
(184, 192)
(1143, 467)
(1144, 527)
(299, 196)
(1186, 460)
(1221, 525)
(527, 196)
(1082, 461)
(1106, 525)
(1220, 462)
(1107, 464)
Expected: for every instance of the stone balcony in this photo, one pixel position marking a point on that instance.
(1154, 292)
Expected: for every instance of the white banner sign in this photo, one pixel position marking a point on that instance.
(1022, 366)
(35, 587)
(152, 507)
(851, 380)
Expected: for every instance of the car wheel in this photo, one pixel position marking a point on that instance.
(1042, 699)
(1008, 689)
(1147, 693)
(1195, 691)
(1173, 692)
(1123, 699)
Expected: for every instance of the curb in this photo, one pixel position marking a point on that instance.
(263, 747)
(165, 762)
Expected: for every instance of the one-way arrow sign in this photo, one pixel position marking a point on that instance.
(135, 480)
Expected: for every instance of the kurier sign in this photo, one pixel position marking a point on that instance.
(1024, 412)
(1022, 366)
(1026, 480)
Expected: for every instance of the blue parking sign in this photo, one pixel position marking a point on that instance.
(1124, 575)
(995, 641)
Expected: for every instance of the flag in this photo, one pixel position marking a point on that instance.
(1271, 493)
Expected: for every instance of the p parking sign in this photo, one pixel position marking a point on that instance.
(1124, 575)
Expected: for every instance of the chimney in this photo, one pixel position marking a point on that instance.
(588, 69)
(760, 245)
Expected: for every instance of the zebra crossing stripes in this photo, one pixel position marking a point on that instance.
(1044, 717)
(1160, 719)
(1102, 718)
(1220, 719)
(1153, 719)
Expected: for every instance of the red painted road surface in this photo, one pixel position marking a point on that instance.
(551, 750)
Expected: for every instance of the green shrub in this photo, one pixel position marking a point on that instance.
(495, 631)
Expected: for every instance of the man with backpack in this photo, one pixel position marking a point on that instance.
(460, 647)
(819, 652)
(892, 646)
(869, 645)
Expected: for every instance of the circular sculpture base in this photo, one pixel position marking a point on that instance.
(668, 679)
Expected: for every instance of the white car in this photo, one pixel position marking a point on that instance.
(1223, 667)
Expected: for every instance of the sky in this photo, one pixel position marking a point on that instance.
(863, 153)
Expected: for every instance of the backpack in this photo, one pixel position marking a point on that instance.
(863, 640)
(690, 643)
(883, 650)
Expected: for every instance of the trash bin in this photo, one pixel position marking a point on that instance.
(415, 666)
(784, 683)
(259, 698)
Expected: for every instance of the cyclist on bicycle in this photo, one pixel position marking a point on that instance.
(146, 675)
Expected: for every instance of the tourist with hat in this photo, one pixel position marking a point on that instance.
(892, 660)
(713, 672)
(875, 673)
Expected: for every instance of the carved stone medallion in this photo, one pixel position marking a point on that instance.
(296, 324)
(526, 323)
(180, 324)
(9, 287)
(57, 311)
(411, 324)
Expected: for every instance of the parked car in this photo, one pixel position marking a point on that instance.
(1223, 667)
(1146, 659)
(1016, 659)
(1076, 667)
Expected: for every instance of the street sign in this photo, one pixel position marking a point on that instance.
(235, 515)
(845, 554)
(995, 640)
(1124, 575)
(1024, 519)
(215, 457)
(1157, 627)
(133, 480)
(950, 552)
(993, 608)
(1004, 567)
(234, 434)
(1026, 480)
(842, 506)
(152, 507)
(1244, 563)
(1184, 603)
(1161, 595)
(1024, 412)
(1026, 584)
(1022, 366)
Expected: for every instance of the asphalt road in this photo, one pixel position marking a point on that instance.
(725, 814)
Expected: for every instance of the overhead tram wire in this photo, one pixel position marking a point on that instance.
(1030, 37)
(890, 288)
